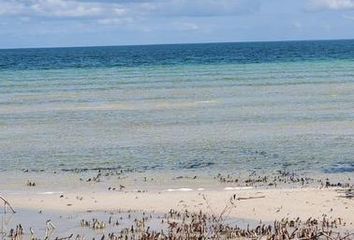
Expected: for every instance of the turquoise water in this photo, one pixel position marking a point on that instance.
(207, 107)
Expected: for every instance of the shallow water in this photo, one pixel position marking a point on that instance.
(67, 223)
(207, 108)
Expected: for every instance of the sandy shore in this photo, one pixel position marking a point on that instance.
(264, 204)
(77, 211)
(68, 200)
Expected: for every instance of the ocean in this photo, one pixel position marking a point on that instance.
(218, 107)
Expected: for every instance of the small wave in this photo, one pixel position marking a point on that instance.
(340, 169)
(194, 165)
(49, 193)
(91, 169)
(179, 190)
(237, 188)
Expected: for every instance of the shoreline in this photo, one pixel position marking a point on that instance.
(92, 214)
(78, 203)
(259, 204)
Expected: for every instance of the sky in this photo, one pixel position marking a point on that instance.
(59, 23)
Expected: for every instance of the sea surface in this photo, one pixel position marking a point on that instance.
(223, 107)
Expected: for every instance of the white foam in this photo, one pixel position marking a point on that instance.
(237, 188)
(200, 189)
(39, 193)
(179, 189)
(49, 193)
(208, 101)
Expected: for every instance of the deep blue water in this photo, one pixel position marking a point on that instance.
(179, 54)
(216, 107)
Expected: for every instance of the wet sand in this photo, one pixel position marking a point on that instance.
(257, 204)
(66, 199)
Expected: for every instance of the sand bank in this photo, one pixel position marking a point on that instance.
(264, 204)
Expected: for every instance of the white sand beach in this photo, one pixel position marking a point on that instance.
(267, 205)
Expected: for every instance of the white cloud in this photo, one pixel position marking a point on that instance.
(331, 5)
(351, 18)
(60, 8)
(10, 7)
(115, 21)
(110, 8)
(122, 12)
(202, 7)
(186, 26)
(297, 25)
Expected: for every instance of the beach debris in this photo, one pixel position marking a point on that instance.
(30, 183)
(50, 225)
(65, 238)
(7, 205)
(93, 224)
(328, 184)
(121, 187)
(32, 236)
(278, 178)
(80, 198)
(16, 233)
(249, 198)
(194, 225)
(49, 229)
(346, 193)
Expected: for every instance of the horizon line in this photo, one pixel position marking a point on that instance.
(181, 43)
